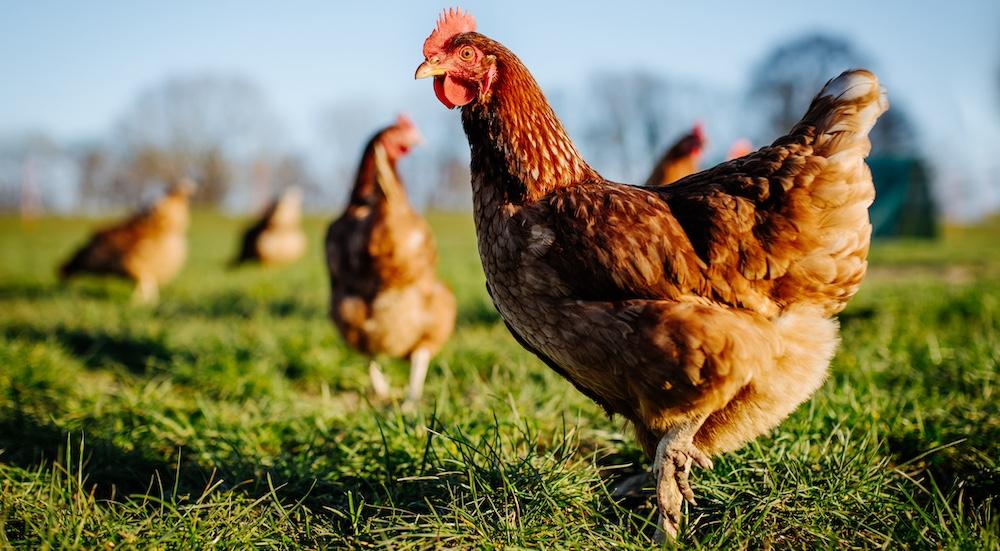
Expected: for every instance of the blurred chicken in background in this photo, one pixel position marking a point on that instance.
(740, 148)
(385, 297)
(276, 238)
(148, 248)
(682, 159)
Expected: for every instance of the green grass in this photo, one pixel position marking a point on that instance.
(232, 415)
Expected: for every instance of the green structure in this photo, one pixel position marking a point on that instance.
(903, 204)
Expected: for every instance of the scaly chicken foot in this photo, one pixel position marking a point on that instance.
(675, 454)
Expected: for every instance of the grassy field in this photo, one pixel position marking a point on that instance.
(231, 415)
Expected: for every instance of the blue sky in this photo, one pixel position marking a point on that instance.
(70, 68)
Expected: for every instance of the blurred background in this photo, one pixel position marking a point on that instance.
(102, 103)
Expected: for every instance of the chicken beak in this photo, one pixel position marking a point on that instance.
(427, 69)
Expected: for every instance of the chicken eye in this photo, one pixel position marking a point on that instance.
(466, 53)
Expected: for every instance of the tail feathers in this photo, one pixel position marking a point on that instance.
(844, 112)
(75, 265)
(247, 253)
(67, 270)
(833, 215)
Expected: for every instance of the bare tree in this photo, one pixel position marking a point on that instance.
(36, 174)
(453, 191)
(629, 115)
(786, 80)
(895, 134)
(91, 167)
(783, 84)
(291, 170)
(438, 174)
(199, 127)
(213, 177)
(345, 128)
(628, 119)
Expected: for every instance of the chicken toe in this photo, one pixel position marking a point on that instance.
(675, 454)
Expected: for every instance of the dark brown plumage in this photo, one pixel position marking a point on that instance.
(700, 311)
(385, 297)
(148, 248)
(276, 238)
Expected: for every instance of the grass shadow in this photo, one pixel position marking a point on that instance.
(962, 465)
(109, 470)
(27, 290)
(369, 491)
(240, 304)
(96, 349)
(856, 315)
(454, 475)
(92, 288)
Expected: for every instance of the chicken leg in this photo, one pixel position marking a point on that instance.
(675, 454)
(419, 362)
(146, 291)
(380, 384)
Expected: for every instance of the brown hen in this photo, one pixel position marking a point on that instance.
(385, 297)
(148, 248)
(682, 159)
(701, 311)
(276, 238)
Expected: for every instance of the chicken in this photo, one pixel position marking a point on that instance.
(385, 297)
(682, 159)
(148, 248)
(701, 312)
(277, 237)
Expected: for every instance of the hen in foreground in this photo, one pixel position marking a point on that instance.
(701, 311)
(680, 160)
(276, 238)
(385, 297)
(148, 248)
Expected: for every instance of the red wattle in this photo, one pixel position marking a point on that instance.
(452, 92)
(439, 92)
(458, 92)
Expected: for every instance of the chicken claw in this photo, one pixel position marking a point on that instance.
(672, 468)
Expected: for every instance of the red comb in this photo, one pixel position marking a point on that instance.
(739, 148)
(451, 22)
(699, 130)
(403, 121)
